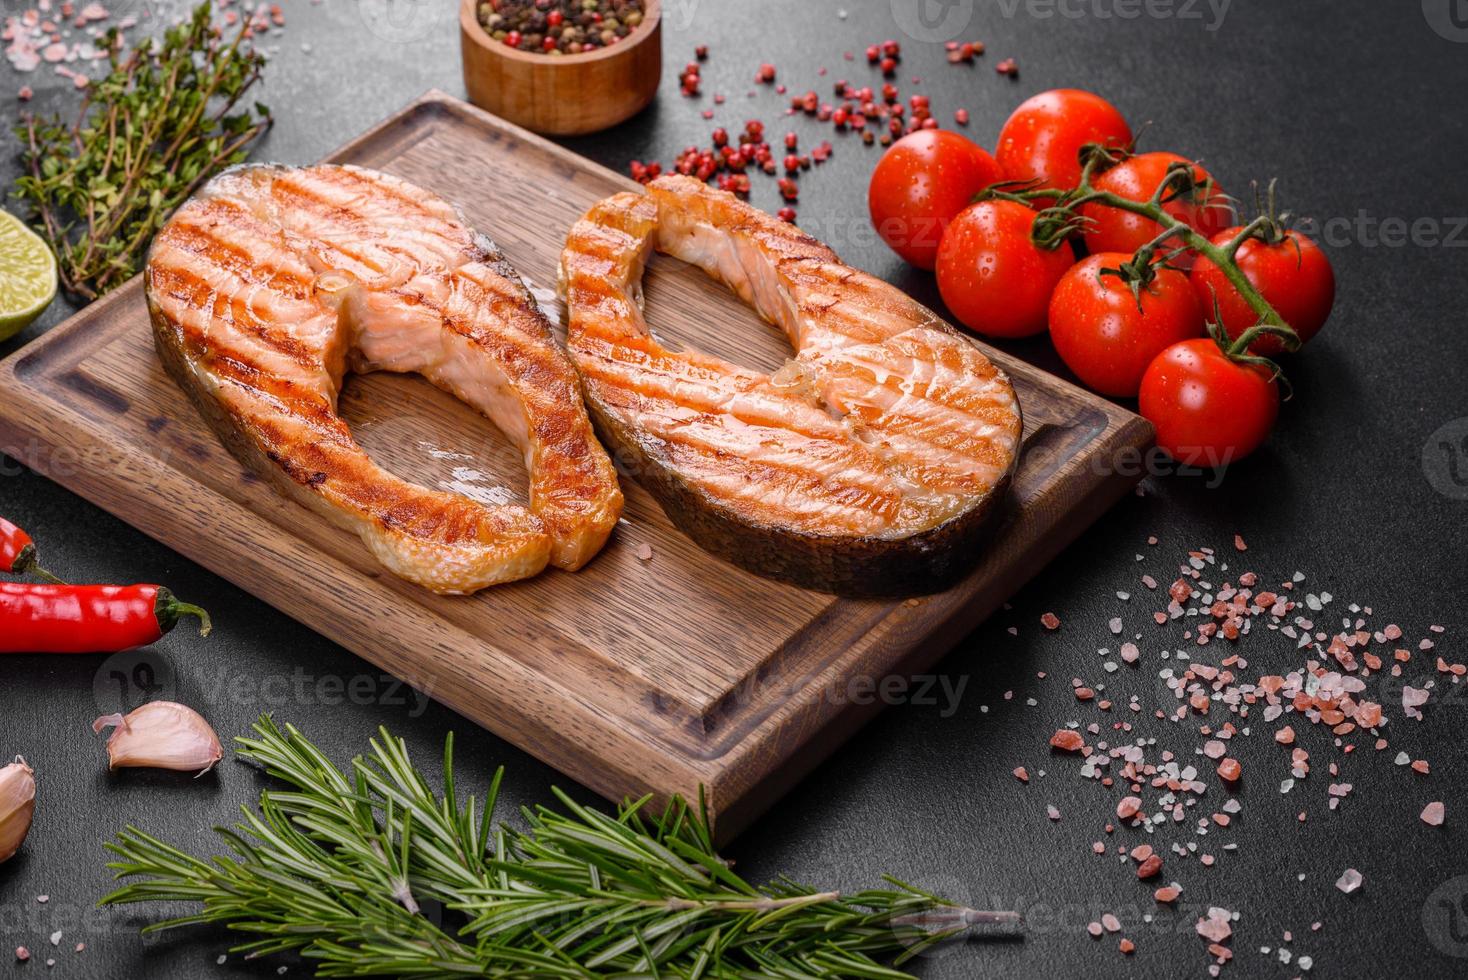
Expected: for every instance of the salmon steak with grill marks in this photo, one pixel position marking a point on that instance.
(869, 464)
(271, 283)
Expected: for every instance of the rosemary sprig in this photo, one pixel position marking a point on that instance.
(372, 873)
(165, 119)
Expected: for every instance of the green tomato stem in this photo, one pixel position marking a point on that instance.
(1067, 205)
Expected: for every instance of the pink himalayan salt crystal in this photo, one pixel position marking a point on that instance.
(1433, 814)
(1349, 881)
(22, 57)
(1215, 928)
(1412, 698)
(1094, 929)
(1130, 653)
(1214, 749)
(22, 954)
(1052, 813)
(1110, 923)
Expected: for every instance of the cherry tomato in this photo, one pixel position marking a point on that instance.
(1208, 410)
(1105, 336)
(1294, 276)
(1136, 179)
(1043, 139)
(920, 184)
(992, 276)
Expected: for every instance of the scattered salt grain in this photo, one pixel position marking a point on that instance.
(1349, 881)
(1215, 928)
(1433, 814)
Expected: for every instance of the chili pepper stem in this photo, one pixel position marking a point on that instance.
(170, 610)
(45, 576)
(25, 564)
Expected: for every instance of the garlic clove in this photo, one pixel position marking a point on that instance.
(17, 806)
(161, 735)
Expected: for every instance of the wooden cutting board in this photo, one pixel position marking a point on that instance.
(633, 675)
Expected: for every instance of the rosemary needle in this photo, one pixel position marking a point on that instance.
(369, 872)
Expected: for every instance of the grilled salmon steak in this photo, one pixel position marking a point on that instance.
(272, 282)
(867, 465)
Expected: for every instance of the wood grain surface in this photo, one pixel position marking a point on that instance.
(632, 675)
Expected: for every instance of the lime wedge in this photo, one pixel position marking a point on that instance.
(27, 276)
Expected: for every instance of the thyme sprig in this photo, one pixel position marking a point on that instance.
(371, 873)
(166, 118)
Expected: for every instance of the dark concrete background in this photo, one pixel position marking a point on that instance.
(1355, 106)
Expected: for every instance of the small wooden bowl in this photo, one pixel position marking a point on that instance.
(563, 95)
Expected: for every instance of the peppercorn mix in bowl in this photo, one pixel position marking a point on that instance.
(562, 67)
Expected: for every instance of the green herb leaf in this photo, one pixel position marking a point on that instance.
(164, 120)
(374, 874)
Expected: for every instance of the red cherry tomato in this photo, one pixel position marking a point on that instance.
(920, 184)
(1294, 276)
(1208, 410)
(992, 276)
(1136, 179)
(1105, 336)
(1043, 138)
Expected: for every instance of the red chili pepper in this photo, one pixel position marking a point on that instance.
(88, 618)
(18, 553)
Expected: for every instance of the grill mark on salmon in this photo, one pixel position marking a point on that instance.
(869, 465)
(272, 282)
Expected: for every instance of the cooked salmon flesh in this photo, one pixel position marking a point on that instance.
(868, 464)
(273, 282)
